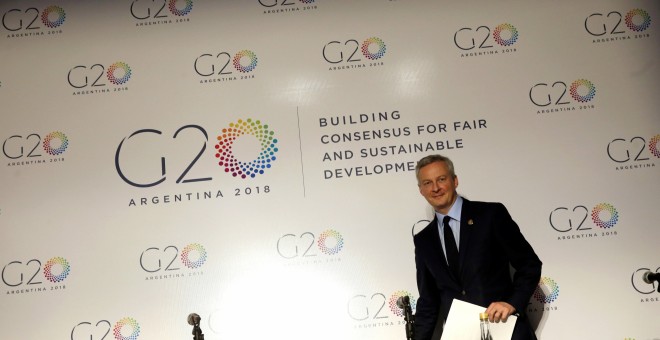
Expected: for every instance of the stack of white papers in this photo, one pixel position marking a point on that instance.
(463, 323)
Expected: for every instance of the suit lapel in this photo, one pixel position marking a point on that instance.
(467, 222)
(432, 249)
(435, 246)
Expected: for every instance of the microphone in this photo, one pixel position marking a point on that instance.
(650, 276)
(193, 320)
(403, 302)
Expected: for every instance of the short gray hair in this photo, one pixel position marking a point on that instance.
(432, 159)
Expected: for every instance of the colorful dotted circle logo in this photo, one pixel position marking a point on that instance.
(48, 11)
(254, 167)
(180, 12)
(193, 248)
(54, 262)
(245, 54)
(393, 299)
(551, 286)
(381, 48)
(47, 144)
(119, 65)
(576, 85)
(119, 327)
(653, 145)
(323, 239)
(614, 215)
(497, 34)
(645, 22)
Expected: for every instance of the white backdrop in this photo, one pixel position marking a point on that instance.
(117, 220)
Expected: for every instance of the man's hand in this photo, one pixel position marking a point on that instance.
(499, 311)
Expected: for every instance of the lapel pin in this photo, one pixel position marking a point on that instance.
(470, 222)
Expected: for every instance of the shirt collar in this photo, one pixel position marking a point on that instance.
(454, 211)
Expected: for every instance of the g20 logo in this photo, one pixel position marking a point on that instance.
(244, 61)
(329, 242)
(125, 329)
(17, 273)
(80, 76)
(143, 134)
(372, 48)
(144, 9)
(16, 146)
(563, 219)
(468, 38)
(637, 281)
(543, 94)
(192, 256)
(374, 307)
(598, 24)
(225, 153)
(547, 291)
(16, 19)
(619, 149)
(273, 3)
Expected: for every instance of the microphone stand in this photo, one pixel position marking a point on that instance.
(197, 332)
(404, 303)
(410, 323)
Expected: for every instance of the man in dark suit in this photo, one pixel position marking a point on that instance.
(465, 254)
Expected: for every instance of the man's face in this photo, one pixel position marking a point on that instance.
(438, 186)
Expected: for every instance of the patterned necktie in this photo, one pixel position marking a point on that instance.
(450, 247)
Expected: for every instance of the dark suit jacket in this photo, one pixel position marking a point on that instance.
(490, 241)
